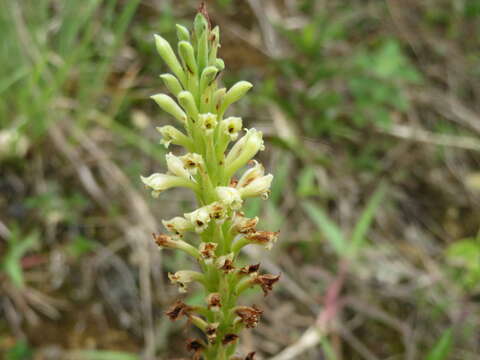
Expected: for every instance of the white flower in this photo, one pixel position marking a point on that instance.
(192, 162)
(176, 166)
(251, 174)
(199, 218)
(178, 225)
(162, 182)
(231, 126)
(218, 212)
(172, 135)
(208, 122)
(183, 277)
(258, 187)
(229, 196)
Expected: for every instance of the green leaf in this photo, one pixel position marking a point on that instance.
(363, 224)
(331, 231)
(443, 347)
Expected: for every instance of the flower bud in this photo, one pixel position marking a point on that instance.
(173, 135)
(214, 44)
(183, 277)
(207, 122)
(217, 99)
(185, 98)
(172, 83)
(170, 106)
(178, 225)
(187, 54)
(220, 64)
(176, 166)
(256, 171)
(243, 151)
(182, 33)
(167, 54)
(258, 187)
(235, 93)
(209, 74)
(207, 251)
(201, 33)
(231, 126)
(162, 182)
(229, 196)
(199, 218)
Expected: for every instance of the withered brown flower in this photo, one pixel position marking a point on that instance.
(250, 316)
(266, 282)
(177, 310)
(229, 339)
(197, 347)
(249, 269)
(214, 301)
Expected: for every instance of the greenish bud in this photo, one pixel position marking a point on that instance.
(182, 33)
(200, 25)
(185, 98)
(215, 44)
(235, 93)
(218, 98)
(220, 64)
(208, 76)
(185, 49)
(172, 83)
(167, 54)
(170, 106)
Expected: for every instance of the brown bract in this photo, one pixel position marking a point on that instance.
(177, 310)
(249, 315)
(266, 282)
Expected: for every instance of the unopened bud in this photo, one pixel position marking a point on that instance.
(185, 49)
(167, 54)
(208, 76)
(185, 98)
(243, 151)
(235, 93)
(172, 83)
(182, 33)
(170, 106)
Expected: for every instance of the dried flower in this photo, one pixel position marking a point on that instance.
(214, 302)
(248, 315)
(177, 310)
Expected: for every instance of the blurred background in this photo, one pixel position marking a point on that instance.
(371, 111)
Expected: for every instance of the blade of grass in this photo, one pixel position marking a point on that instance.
(443, 347)
(331, 231)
